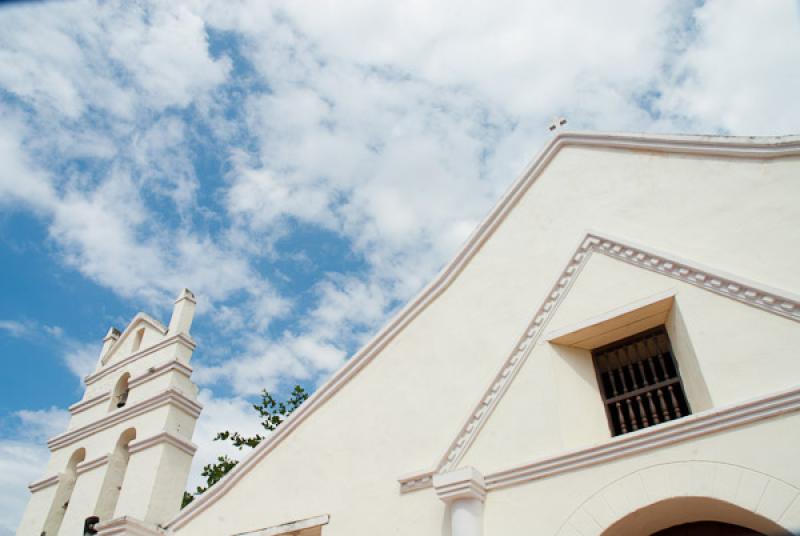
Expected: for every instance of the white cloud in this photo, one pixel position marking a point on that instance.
(166, 50)
(14, 328)
(81, 358)
(40, 425)
(23, 458)
(21, 462)
(740, 73)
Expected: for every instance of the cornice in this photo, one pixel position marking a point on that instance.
(127, 526)
(174, 365)
(91, 464)
(170, 366)
(724, 146)
(83, 405)
(43, 483)
(770, 300)
(179, 338)
(159, 439)
(690, 427)
(168, 397)
(755, 148)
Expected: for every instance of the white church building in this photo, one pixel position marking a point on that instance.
(614, 351)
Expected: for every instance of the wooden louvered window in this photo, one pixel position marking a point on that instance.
(640, 381)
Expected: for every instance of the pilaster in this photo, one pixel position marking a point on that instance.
(464, 492)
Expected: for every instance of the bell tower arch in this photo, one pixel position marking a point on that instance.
(127, 450)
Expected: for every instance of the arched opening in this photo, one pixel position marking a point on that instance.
(115, 476)
(684, 516)
(119, 396)
(137, 340)
(66, 483)
(707, 528)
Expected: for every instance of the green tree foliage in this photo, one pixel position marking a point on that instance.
(272, 413)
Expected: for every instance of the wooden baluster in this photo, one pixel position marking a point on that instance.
(607, 363)
(628, 403)
(649, 394)
(675, 404)
(653, 351)
(631, 355)
(663, 350)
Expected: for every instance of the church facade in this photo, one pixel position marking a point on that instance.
(613, 351)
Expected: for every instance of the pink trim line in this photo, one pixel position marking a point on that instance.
(180, 338)
(699, 424)
(169, 397)
(80, 407)
(43, 483)
(164, 437)
(91, 464)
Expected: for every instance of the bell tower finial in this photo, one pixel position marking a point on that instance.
(182, 313)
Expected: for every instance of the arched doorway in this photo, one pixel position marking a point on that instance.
(694, 516)
(707, 528)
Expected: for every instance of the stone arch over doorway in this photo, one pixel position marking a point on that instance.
(664, 495)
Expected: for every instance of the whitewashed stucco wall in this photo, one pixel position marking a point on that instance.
(400, 413)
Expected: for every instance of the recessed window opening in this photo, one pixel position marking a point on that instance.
(137, 340)
(640, 381)
(119, 396)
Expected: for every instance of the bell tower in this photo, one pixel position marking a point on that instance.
(127, 450)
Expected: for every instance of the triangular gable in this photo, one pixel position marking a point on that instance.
(773, 301)
(753, 148)
(141, 319)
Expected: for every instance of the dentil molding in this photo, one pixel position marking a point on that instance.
(773, 301)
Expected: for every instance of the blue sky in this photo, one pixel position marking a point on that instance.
(306, 167)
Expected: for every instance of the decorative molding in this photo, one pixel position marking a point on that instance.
(773, 301)
(127, 526)
(43, 483)
(720, 146)
(154, 373)
(464, 483)
(647, 486)
(755, 148)
(175, 365)
(164, 437)
(291, 528)
(168, 397)
(770, 300)
(140, 318)
(81, 406)
(690, 427)
(179, 338)
(416, 481)
(91, 464)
